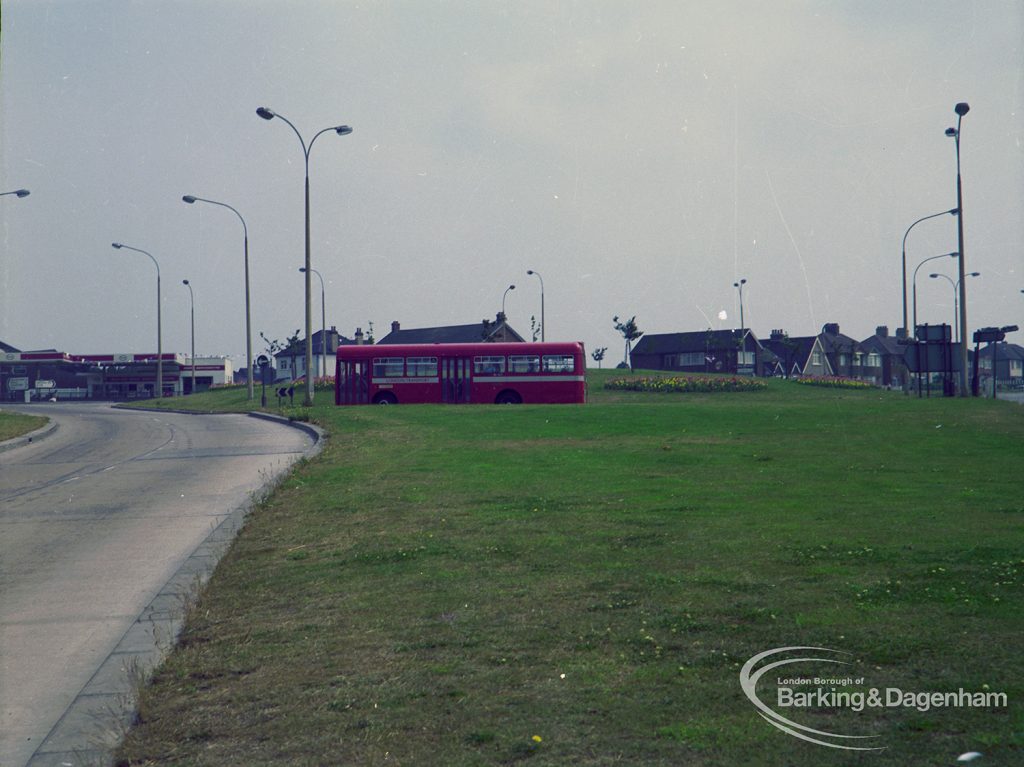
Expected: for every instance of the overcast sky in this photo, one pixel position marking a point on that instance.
(641, 156)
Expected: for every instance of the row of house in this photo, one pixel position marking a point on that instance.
(881, 359)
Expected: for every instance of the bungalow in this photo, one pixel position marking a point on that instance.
(705, 351)
(485, 331)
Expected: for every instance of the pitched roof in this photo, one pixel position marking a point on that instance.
(8, 349)
(699, 340)
(449, 334)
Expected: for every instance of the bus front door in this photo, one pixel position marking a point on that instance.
(355, 383)
(455, 379)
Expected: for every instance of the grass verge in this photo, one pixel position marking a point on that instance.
(15, 424)
(581, 585)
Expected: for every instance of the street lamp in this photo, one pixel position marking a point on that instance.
(961, 109)
(323, 322)
(192, 302)
(930, 258)
(510, 287)
(543, 326)
(17, 192)
(191, 199)
(341, 130)
(953, 212)
(739, 285)
(159, 330)
(956, 294)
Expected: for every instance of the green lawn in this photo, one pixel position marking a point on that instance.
(14, 424)
(560, 585)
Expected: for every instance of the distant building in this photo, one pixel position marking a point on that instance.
(497, 331)
(704, 351)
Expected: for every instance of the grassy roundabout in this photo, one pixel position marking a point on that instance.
(474, 585)
(16, 425)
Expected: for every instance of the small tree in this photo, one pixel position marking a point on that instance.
(631, 333)
(369, 333)
(598, 355)
(534, 328)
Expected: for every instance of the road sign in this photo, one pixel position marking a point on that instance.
(263, 360)
(45, 384)
(17, 384)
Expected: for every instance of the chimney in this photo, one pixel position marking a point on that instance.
(882, 331)
(831, 328)
(901, 333)
(778, 334)
(359, 336)
(395, 327)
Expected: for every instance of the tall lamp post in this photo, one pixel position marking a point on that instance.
(956, 297)
(961, 109)
(543, 325)
(323, 322)
(953, 212)
(17, 192)
(159, 329)
(192, 303)
(739, 286)
(341, 130)
(191, 199)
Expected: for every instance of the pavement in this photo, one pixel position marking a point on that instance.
(108, 524)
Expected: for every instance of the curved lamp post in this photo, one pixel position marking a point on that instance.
(341, 130)
(739, 285)
(961, 109)
(17, 192)
(543, 325)
(953, 212)
(323, 322)
(510, 287)
(191, 199)
(956, 297)
(192, 302)
(159, 330)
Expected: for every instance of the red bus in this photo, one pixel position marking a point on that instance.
(499, 373)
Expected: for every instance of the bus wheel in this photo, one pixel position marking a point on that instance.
(508, 398)
(385, 399)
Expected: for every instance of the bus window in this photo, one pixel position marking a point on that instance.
(388, 367)
(488, 366)
(558, 363)
(524, 363)
(421, 367)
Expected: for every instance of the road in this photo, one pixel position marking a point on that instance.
(95, 520)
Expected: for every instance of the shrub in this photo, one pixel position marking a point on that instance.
(833, 382)
(696, 384)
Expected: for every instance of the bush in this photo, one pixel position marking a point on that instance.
(833, 382)
(696, 384)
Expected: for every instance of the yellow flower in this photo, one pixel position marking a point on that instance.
(537, 738)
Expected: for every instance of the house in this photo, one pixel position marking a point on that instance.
(290, 362)
(843, 353)
(1009, 364)
(883, 360)
(799, 356)
(705, 351)
(487, 331)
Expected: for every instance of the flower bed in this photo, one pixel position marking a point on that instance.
(833, 382)
(696, 384)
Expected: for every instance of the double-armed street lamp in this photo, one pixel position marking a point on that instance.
(543, 325)
(956, 298)
(323, 322)
(961, 109)
(192, 303)
(192, 199)
(17, 192)
(739, 286)
(341, 130)
(953, 212)
(159, 331)
(914, 285)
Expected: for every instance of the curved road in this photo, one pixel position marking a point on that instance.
(95, 521)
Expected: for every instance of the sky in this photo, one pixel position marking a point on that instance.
(642, 157)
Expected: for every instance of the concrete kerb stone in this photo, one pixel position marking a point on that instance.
(96, 721)
(33, 436)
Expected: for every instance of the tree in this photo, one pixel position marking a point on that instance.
(631, 333)
(275, 346)
(534, 328)
(369, 335)
(598, 355)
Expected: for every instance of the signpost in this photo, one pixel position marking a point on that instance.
(263, 361)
